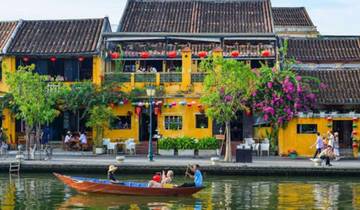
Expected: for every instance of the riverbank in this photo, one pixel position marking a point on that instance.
(261, 166)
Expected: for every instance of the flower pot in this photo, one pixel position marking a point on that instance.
(166, 152)
(185, 152)
(207, 153)
(99, 150)
(293, 155)
(356, 152)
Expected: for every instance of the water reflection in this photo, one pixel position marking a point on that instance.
(39, 191)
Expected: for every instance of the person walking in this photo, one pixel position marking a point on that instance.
(336, 146)
(331, 139)
(327, 154)
(319, 144)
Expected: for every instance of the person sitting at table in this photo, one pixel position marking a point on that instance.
(83, 140)
(67, 140)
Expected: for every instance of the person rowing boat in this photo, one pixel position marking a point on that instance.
(195, 174)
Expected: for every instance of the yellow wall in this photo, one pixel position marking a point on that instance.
(8, 65)
(97, 70)
(126, 133)
(260, 132)
(188, 117)
(289, 139)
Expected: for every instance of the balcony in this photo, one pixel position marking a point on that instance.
(197, 77)
(170, 77)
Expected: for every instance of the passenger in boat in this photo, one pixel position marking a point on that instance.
(196, 175)
(111, 174)
(166, 179)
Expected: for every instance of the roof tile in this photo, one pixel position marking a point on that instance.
(197, 16)
(291, 16)
(6, 30)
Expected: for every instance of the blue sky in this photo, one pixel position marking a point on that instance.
(340, 17)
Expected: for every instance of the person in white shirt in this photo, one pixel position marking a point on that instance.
(83, 139)
(336, 146)
(331, 139)
(319, 144)
(67, 140)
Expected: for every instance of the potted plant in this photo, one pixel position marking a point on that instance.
(207, 146)
(166, 146)
(292, 153)
(99, 118)
(185, 146)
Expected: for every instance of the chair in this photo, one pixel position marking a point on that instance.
(265, 147)
(130, 146)
(256, 148)
(112, 147)
(106, 143)
(249, 141)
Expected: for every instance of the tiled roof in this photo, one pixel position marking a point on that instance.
(197, 16)
(55, 37)
(6, 30)
(342, 86)
(323, 50)
(291, 16)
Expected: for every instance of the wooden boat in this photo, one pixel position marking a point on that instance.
(91, 185)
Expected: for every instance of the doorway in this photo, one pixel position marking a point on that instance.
(144, 125)
(344, 128)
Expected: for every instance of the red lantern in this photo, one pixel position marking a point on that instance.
(354, 133)
(265, 53)
(189, 104)
(329, 118)
(26, 59)
(115, 55)
(235, 54)
(202, 54)
(138, 111)
(53, 59)
(157, 110)
(81, 59)
(144, 55)
(355, 119)
(112, 105)
(248, 113)
(172, 54)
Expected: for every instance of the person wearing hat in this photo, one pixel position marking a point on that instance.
(111, 174)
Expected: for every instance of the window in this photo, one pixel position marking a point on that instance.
(202, 121)
(121, 123)
(173, 122)
(306, 128)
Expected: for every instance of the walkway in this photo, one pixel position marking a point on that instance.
(75, 162)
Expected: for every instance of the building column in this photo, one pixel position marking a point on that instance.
(98, 73)
(186, 68)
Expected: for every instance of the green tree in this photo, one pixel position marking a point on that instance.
(34, 100)
(100, 116)
(227, 88)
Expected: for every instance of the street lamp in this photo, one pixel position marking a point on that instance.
(150, 91)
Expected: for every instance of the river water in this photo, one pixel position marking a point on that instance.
(43, 191)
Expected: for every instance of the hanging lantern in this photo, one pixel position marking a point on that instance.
(53, 59)
(235, 54)
(265, 53)
(112, 105)
(115, 55)
(354, 133)
(144, 55)
(121, 103)
(126, 100)
(329, 118)
(147, 105)
(248, 113)
(157, 110)
(172, 54)
(173, 103)
(183, 103)
(329, 125)
(354, 125)
(26, 59)
(355, 119)
(202, 54)
(138, 111)
(81, 59)
(140, 104)
(193, 102)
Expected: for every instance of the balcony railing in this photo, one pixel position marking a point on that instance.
(170, 77)
(198, 77)
(118, 77)
(145, 77)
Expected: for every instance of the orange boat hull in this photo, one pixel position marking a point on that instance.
(92, 187)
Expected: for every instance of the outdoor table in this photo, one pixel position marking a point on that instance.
(243, 155)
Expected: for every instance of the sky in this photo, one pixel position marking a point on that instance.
(332, 17)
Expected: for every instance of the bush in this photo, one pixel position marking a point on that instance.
(167, 143)
(185, 143)
(207, 143)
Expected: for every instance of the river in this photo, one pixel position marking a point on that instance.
(43, 191)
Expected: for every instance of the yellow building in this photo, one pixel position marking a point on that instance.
(67, 50)
(163, 47)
